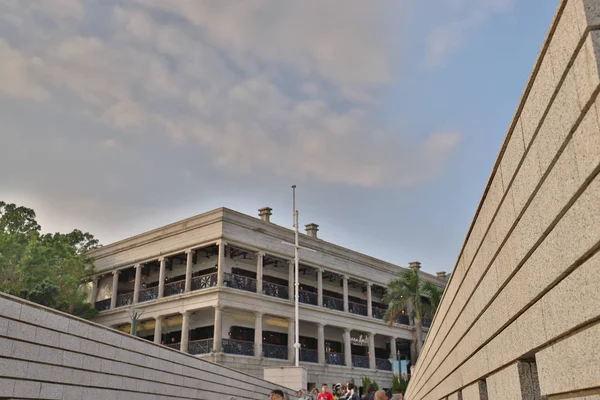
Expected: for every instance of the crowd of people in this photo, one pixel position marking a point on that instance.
(347, 392)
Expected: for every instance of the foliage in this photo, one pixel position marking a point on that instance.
(399, 384)
(434, 294)
(366, 381)
(47, 269)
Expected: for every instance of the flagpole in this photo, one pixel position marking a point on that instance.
(297, 281)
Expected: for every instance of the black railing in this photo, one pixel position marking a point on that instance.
(204, 281)
(378, 312)
(333, 304)
(239, 282)
(173, 288)
(334, 358)
(174, 346)
(200, 346)
(356, 308)
(148, 294)
(102, 305)
(275, 290)
(125, 299)
(308, 355)
(403, 320)
(308, 297)
(360, 362)
(383, 364)
(231, 346)
(275, 351)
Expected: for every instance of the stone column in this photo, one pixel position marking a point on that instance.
(291, 337)
(258, 334)
(220, 263)
(372, 364)
(185, 332)
(188, 270)
(369, 300)
(320, 287)
(161, 277)
(138, 283)
(158, 329)
(115, 289)
(345, 293)
(321, 343)
(218, 332)
(393, 351)
(94, 290)
(259, 272)
(347, 348)
(291, 279)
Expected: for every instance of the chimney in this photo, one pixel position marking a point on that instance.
(265, 213)
(441, 275)
(414, 265)
(312, 229)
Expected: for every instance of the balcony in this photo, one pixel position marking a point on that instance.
(125, 299)
(102, 305)
(383, 364)
(204, 281)
(173, 288)
(308, 355)
(239, 282)
(356, 308)
(148, 294)
(274, 290)
(333, 303)
(308, 298)
(403, 320)
(174, 346)
(240, 347)
(275, 351)
(378, 312)
(204, 346)
(426, 323)
(360, 362)
(334, 358)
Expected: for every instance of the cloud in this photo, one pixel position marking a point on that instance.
(15, 75)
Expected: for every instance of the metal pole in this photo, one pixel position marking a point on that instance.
(297, 282)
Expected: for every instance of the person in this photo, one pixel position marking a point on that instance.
(276, 394)
(314, 394)
(324, 395)
(337, 391)
(350, 392)
(302, 395)
(370, 395)
(380, 395)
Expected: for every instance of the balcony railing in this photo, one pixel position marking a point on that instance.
(383, 364)
(200, 346)
(334, 358)
(360, 362)
(124, 299)
(204, 281)
(403, 320)
(272, 289)
(102, 305)
(174, 346)
(356, 308)
(308, 355)
(333, 304)
(241, 347)
(275, 351)
(308, 298)
(239, 282)
(148, 294)
(173, 288)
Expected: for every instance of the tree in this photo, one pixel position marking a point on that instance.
(48, 269)
(408, 290)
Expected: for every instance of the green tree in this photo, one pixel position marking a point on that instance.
(407, 290)
(48, 269)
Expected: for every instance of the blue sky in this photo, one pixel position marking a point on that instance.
(121, 116)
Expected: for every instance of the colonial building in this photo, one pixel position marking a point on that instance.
(220, 285)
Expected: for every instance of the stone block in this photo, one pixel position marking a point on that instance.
(585, 68)
(46, 336)
(69, 342)
(40, 372)
(27, 389)
(513, 382)
(475, 391)
(21, 331)
(456, 396)
(51, 391)
(565, 38)
(78, 328)
(513, 153)
(73, 360)
(525, 235)
(25, 350)
(33, 315)
(13, 368)
(73, 393)
(530, 329)
(9, 308)
(505, 217)
(57, 322)
(589, 14)
(7, 387)
(586, 142)
(6, 346)
(50, 355)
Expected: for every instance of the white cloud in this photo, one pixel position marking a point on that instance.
(15, 75)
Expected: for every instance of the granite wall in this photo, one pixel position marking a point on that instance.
(520, 316)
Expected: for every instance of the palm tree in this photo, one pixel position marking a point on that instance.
(407, 289)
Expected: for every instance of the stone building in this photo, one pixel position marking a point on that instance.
(220, 286)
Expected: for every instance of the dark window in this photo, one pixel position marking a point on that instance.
(206, 332)
(357, 300)
(333, 347)
(205, 272)
(277, 281)
(243, 272)
(333, 294)
(307, 288)
(241, 333)
(308, 343)
(382, 353)
(276, 338)
(360, 351)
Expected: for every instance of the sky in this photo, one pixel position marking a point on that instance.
(121, 116)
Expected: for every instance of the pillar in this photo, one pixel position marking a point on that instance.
(161, 277)
(369, 300)
(258, 334)
(115, 289)
(220, 263)
(321, 343)
(259, 272)
(185, 331)
(138, 283)
(345, 293)
(291, 337)
(158, 329)
(347, 348)
(94, 290)
(320, 287)
(291, 280)
(372, 364)
(393, 351)
(218, 332)
(188, 270)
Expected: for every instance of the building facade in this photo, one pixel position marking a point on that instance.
(220, 286)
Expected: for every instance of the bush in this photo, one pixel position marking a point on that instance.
(399, 384)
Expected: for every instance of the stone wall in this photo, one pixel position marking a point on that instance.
(45, 354)
(520, 316)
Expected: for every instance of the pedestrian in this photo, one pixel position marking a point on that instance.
(314, 394)
(370, 395)
(350, 392)
(337, 391)
(302, 395)
(380, 395)
(324, 395)
(276, 394)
